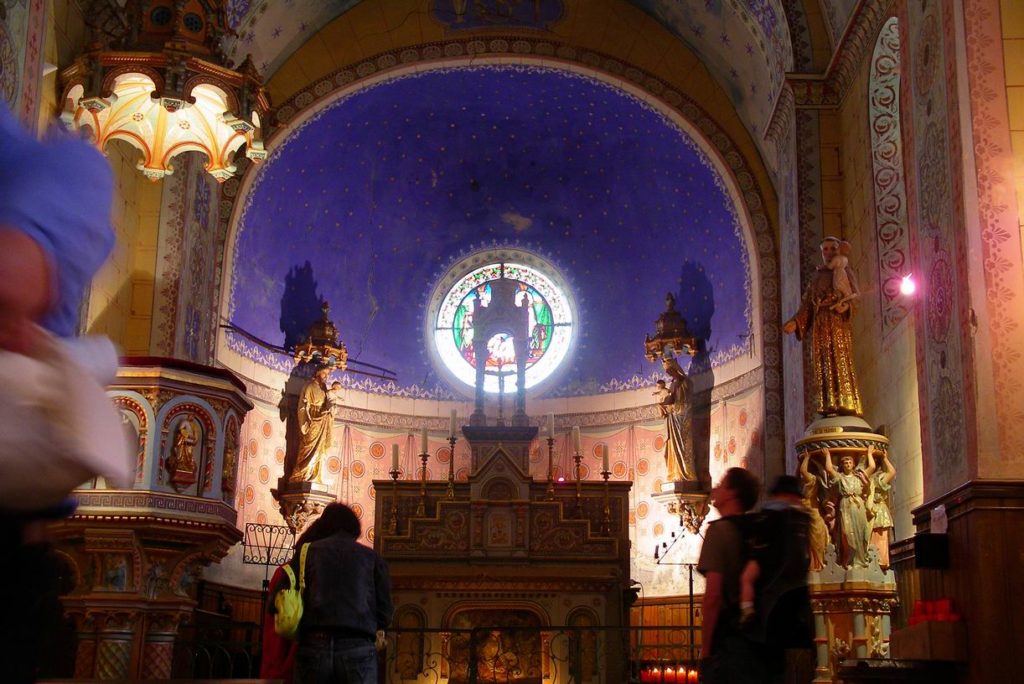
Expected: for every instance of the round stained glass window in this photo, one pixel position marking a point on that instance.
(522, 305)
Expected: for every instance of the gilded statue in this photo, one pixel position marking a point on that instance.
(824, 314)
(185, 439)
(878, 506)
(230, 454)
(315, 418)
(850, 484)
(675, 407)
(818, 530)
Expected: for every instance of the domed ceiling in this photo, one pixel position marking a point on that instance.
(367, 204)
(747, 45)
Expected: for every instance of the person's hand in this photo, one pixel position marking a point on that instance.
(25, 291)
(789, 328)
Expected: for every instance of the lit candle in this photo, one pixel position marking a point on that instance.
(551, 426)
(604, 458)
(423, 441)
(670, 676)
(576, 438)
(451, 424)
(691, 677)
(394, 457)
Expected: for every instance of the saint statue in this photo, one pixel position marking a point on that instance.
(230, 452)
(850, 484)
(818, 531)
(675, 407)
(825, 313)
(315, 417)
(879, 511)
(185, 438)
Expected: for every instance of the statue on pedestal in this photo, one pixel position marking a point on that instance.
(315, 418)
(878, 507)
(825, 314)
(675, 406)
(850, 484)
(185, 439)
(818, 530)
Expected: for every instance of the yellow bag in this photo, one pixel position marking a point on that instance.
(288, 602)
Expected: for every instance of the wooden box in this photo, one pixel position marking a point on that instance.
(930, 640)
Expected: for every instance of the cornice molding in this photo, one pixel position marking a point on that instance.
(827, 90)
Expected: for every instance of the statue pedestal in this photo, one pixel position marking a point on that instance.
(689, 499)
(301, 502)
(852, 613)
(852, 597)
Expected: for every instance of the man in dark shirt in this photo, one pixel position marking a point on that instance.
(726, 654)
(347, 599)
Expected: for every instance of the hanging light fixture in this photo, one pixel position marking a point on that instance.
(154, 76)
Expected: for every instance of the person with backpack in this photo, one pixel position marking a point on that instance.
(775, 605)
(277, 657)
(728, 655)
(347, 599)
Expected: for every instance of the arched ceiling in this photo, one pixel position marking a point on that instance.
(747, 45)
(369, 201)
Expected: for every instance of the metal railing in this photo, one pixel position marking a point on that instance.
(480, 655)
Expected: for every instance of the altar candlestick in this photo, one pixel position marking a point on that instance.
(576, 438)
(451, 424)
(604, 458)
(551, 425)
(394, 457)
(423, 441)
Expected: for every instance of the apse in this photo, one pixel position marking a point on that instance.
(374, 197)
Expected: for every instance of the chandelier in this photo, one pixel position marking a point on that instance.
(154, 76)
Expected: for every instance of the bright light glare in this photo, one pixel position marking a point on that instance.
(907, 285)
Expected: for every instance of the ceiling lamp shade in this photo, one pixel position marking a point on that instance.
(166, 91)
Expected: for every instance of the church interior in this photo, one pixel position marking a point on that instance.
(557, 257)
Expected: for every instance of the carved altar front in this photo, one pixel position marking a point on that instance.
(505, 553)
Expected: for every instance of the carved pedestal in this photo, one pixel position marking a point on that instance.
(301, 503)
(851, 595)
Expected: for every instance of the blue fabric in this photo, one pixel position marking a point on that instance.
(357, 606)
(59, 192)
(335, 660)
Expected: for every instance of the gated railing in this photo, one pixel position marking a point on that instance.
(481, 655)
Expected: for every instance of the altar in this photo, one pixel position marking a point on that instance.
(517, 579)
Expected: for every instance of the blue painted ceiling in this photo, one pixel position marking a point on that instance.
(368, 202)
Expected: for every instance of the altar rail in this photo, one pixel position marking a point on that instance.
(481, 655)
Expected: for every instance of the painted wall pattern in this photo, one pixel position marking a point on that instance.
(170, 254)
(195, 333)
(791, 207)
(22, 37)
(810, 232)
(891, 229)
(999, 227)
(936, 212)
